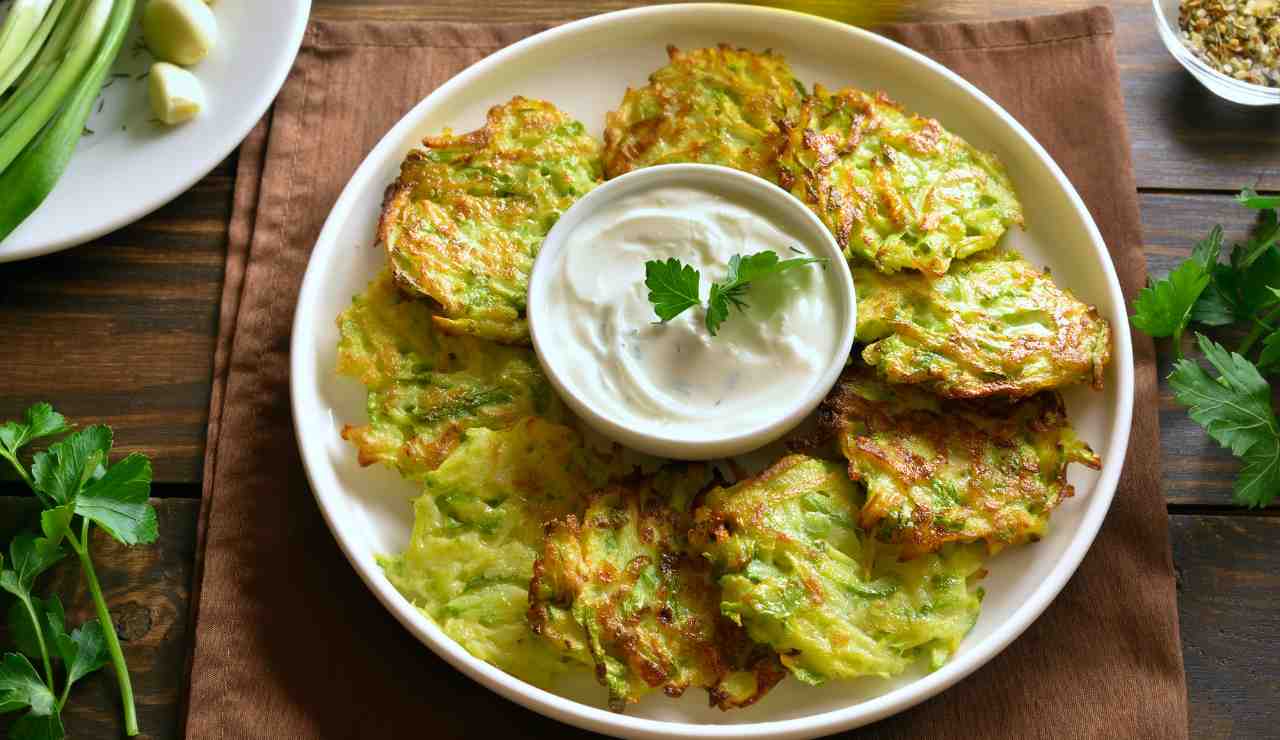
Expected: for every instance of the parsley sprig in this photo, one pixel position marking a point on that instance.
(1233, 403)
(77, 489)
(675, 287)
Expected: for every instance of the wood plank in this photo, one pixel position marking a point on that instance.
(148, 591)
(121, 331)
(1228, 607)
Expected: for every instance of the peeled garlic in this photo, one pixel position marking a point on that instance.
(176, 94)
(179, 31)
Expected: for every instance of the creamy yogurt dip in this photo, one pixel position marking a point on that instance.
(675, 378)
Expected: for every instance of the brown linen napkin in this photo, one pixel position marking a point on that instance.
(289, 643)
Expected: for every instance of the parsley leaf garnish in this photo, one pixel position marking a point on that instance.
(1269, 358)
(28, 558)
(1233, 404)
(1262, 240)
(25, 628)
(1249, 198)
(1164, 308)
(673, 286)
(78, 488)
(742, 272)
(117, 501)
(39, 421)
(83, 651)
(1241, 289)
(21, 687)
(1236, 411)
(32, 726)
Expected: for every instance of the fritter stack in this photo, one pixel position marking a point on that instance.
(542, 553)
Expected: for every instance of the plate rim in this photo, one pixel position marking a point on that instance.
(600, 720)
(242, 124)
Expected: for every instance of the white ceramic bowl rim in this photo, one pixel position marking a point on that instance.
(600, 720)
(708, 177)
(1171, 34)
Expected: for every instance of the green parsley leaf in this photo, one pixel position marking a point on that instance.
(673, 287)
(21, 687)
(1207, 250)
(1260, 477)
(1236, 412)
(1269, 358)
(1164, 308)
(56, 522)
(717, 309)
(1213, 309)
(83, 651)
(1263, 238)
(32, 726)
(763, 264)
(29, 557)
(117, 501)
(23, 630)
(1249, 198)
(1238, 294)
(39, 421)
(742, 272)
(64, 469)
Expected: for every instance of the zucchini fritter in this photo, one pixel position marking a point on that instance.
(620, 585)
(469, 213)
(802, 577)
(477, 529)
(717, 105)
(425, 388)
(895, 189)
(939, 471)
(993, 325)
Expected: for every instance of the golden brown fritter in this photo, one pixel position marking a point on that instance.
(992, 326)
(799, 574)
(939, 471)
(477, 528)
(717, 105)
(896, 189)
(619, 584)
(425, 388)
(468, 214)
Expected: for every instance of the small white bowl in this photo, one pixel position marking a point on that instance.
(1224, 86)
(771, 199)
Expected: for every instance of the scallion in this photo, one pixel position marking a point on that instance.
(34, 151)
(33, 46)
(19, 29)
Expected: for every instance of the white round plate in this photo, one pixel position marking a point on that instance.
(130, 165)
(584, 68)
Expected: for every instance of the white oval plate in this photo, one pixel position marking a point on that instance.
(129, 166)
(584, 67)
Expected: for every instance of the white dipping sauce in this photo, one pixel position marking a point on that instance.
(674, 377)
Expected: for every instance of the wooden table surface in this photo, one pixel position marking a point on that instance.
(122, 331)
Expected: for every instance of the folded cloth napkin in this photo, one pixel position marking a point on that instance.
(289, 643)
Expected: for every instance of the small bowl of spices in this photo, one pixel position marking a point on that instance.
(1231, 46)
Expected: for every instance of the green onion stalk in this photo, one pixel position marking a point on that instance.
(40, 138)
(10, 71)
(21, 27)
